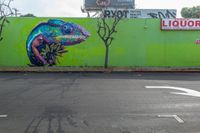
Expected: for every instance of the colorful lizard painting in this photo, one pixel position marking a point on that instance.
(47, 40)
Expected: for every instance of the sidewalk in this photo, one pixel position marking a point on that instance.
(99, 69)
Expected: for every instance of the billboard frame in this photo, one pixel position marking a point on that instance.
(109, 4)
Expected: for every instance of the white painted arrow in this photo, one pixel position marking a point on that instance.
(187, 92)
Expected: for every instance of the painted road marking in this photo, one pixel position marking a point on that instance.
(3, 116)
(172, 116)
(186, 92)
(178, 119)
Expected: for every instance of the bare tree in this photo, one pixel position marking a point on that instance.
(16, 12)
(106, 27)
(5, 11)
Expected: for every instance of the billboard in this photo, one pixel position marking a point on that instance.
(180, 24)
(140, 13)
(92, 5)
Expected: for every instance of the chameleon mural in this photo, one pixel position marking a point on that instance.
(48, 40)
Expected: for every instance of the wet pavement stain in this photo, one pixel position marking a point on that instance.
(124, 130)
(55, 119)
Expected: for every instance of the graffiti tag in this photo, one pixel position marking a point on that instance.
(166, 14)
(140, 13)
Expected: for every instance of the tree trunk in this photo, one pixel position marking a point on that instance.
(106, 57)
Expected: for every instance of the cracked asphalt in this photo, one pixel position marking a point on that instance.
(98, 103)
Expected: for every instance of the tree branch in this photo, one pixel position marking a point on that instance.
(5, 11)
(105, 31)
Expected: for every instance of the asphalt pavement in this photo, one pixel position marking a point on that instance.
(99, 103)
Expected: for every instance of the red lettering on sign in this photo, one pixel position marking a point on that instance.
(175, 23)
(180, 24)
(163, 23)
(190, 23)
(197, 23)
(197, 41)
(183, 23)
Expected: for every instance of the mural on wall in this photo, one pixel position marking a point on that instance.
(47, 41)
(127, 49)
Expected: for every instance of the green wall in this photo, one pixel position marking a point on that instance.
(138, 43)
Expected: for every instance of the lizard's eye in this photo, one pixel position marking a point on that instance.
(67, 29)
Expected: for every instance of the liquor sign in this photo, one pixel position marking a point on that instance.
(93, 5)
(180, 24)
(140, 13)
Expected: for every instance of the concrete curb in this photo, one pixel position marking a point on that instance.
(99, 69)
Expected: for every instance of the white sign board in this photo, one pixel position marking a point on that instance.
(140, 13)
(180, 24)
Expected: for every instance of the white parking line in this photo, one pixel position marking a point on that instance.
(172, 116)
(3, 116)
(178, 119)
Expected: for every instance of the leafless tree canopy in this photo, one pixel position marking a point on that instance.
(5, 11)
(105, 31)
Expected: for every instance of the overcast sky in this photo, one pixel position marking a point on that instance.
(71, 8)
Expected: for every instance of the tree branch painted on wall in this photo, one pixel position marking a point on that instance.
(47, 41)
